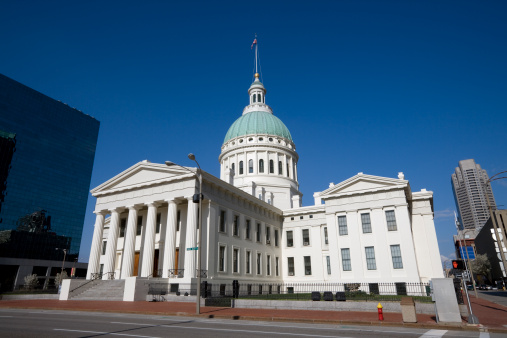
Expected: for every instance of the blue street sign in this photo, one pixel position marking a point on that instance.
(190, 249)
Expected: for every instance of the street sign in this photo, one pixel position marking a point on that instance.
(190, 249)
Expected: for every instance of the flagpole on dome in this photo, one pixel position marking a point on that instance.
(255, 43)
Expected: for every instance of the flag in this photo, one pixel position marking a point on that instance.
(253, 43)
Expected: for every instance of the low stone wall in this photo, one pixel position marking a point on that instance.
(425, 308)
(31, 296)
(172, 298)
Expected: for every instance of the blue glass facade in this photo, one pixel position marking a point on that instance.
(46, 157)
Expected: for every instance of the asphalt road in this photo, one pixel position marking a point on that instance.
(47, 323)
(496, 296)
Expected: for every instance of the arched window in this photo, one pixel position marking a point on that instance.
(271, 167)
(254, 97)
(241, 167)
(250, 166)
(280, 168)
(258, 97)
(288, 170)
(233, 168)
(261, 166)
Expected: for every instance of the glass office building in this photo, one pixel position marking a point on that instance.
(46, 157)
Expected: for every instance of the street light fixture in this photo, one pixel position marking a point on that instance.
(199, 231)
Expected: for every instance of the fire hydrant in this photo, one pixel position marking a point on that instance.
(380, 314)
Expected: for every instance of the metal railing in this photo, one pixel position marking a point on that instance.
(176, 273)
(204, 273)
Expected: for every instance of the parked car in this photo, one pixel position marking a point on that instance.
(485, 287)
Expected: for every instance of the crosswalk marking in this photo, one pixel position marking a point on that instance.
(484, 335)
(434, 334)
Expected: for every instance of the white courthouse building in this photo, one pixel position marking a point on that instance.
(366, 229)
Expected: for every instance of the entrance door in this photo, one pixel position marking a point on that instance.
(136, 264)
(155, 264)
(176, 259)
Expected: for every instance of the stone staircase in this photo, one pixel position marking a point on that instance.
(99, 290)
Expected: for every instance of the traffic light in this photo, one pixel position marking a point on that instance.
(458, 264)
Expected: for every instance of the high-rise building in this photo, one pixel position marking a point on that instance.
(470, 190)
(46, 157)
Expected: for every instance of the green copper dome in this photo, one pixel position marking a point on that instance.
(258, 122)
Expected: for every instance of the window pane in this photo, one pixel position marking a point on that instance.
(396, 255)
(391, 220)
(241, 167)
(308, 265)
(222, 221)
(276, 237)
(326, 239)
(365, 220)
(279, 167)
(258, 233)
(261, 166)
(290, 265)
(250, 166)
(290, 239)
(370, 258)
(235, 262)
(247, 229)
(306, 237)
(236, 225)
(342, 225)
(271, 167)
(221, 259)
(346, 260)
(248, 261)
(328, 261)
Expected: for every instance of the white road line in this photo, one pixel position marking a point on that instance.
(434, 334)
(484, 335)
(135, 324)
(106, 333)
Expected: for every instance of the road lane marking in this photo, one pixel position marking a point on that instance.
(106, 333)
(434, 334)
(484, 335)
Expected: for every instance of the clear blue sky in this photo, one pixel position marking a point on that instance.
(364, 86)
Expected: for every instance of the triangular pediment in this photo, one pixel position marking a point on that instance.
(362, 183)
(141, 174)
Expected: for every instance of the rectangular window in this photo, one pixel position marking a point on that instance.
(221, 259)
(123, 224)
(235, 260)
(268, 265)
(159, 216)
(346, 260)
(342, 226)
(374, 288)
(277, 266)
(247, 230)
(328, 261)
(139, 229)
(326, 238)
(104, 246)
(391, 220)
(276, 237)
(248, 262)
(366, 222)
(258, 233)
(308, 265)
(235, 229)
(401, 289)
(290, 265)
(370, 258)
(290, 239)
(306, 237)
(178, 220)
(259, 263)
(268, 235)
(221, 221)
(396, 255)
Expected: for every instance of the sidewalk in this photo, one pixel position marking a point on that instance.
(492, 317)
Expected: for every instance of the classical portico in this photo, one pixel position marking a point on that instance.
(147, 224)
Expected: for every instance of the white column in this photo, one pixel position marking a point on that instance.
(93, 263)
(149, 241)
(190, 240)
(170, 239)
(112, 238)
(129, 250)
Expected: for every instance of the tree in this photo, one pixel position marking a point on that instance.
(60, 277)
(482, 266)
(31, 281)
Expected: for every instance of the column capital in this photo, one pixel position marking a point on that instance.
(153, 204)
(133, 207)
(101, 212)
(116, 210)
(170, 201)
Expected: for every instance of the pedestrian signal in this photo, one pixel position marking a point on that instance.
(458, 264)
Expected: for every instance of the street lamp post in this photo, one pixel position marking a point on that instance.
(199, 231)
(499, 238)
(63, 263)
